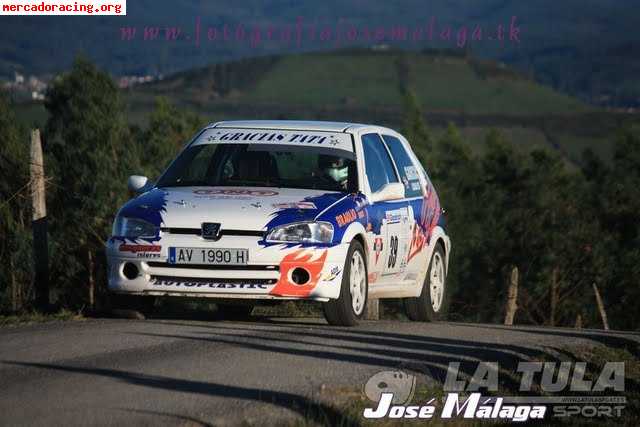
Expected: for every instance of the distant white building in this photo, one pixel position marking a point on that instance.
(129, 81)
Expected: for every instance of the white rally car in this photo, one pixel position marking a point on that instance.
(280, 210)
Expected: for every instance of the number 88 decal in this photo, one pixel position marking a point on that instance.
(393, 252)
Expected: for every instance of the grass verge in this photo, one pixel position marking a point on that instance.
(35, 317)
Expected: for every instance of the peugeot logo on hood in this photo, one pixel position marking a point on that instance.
(211, 230)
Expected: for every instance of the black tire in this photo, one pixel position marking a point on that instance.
(340, 312)
(421, 309)
(132, 306)
(234, 311)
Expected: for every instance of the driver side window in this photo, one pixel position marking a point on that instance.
(378, 165)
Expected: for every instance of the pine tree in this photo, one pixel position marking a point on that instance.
(620, 216)
(415, 128)
(168, 131)
(15, 244)
(87, 136)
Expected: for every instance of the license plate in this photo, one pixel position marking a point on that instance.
(218, 256)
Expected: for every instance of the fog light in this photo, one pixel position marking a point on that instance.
(130, 271)
(300, 276)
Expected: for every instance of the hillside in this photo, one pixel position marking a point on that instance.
(587, 48)
(443, 80)
(364, 86)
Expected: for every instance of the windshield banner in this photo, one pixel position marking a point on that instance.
(340, 141)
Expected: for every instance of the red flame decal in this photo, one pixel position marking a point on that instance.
(429, 217)
(302, 258)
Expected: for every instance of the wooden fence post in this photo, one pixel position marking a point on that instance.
(373, 310)
(603, 313)
(39, 223)
(578, 321)
(512, 298)
(91, 280)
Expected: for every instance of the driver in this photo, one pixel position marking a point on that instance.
(335, 168)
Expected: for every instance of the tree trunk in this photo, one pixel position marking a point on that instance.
(15, 292)
(554, 297)
(603, 313)
(39, 223)
(512, 298)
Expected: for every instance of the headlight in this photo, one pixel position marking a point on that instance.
(133, 227)
(302, 232)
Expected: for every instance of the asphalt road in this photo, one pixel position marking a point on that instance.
(268, 371)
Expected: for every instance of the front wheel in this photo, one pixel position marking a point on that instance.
(433, 302)
(350, 305)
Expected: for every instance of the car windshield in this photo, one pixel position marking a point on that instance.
(263, 165)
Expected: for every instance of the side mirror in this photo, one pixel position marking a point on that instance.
(138, 184)
(391, 191)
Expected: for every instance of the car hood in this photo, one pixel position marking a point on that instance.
(245, 208)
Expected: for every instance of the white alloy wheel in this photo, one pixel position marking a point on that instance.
(436, 281)
(349, 307)
(357, 283)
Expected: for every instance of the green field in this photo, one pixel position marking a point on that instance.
(364, 79)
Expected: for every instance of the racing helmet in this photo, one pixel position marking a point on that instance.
(335, 167)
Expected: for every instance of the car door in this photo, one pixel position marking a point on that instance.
(409, 172)
(390, 220)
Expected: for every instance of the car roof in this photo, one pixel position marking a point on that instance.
(292, 125)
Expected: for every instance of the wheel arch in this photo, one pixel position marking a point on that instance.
(439, 236)
(356, 231)
(360, 238)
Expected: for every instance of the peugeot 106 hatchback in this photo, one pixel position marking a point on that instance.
(254, 211)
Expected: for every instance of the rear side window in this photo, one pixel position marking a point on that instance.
(406, 168)
(378, 165)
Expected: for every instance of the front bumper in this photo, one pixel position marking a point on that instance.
(142, 268)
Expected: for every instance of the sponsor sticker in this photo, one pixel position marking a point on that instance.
(411, 173)
(142, 251)
(393, 216)
(335, 271)
(125, 247)
(377, 247)
(235, 192)
(346, 217)
(197, 283)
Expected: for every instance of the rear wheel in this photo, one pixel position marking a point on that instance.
(433, 302)
(350, 305)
